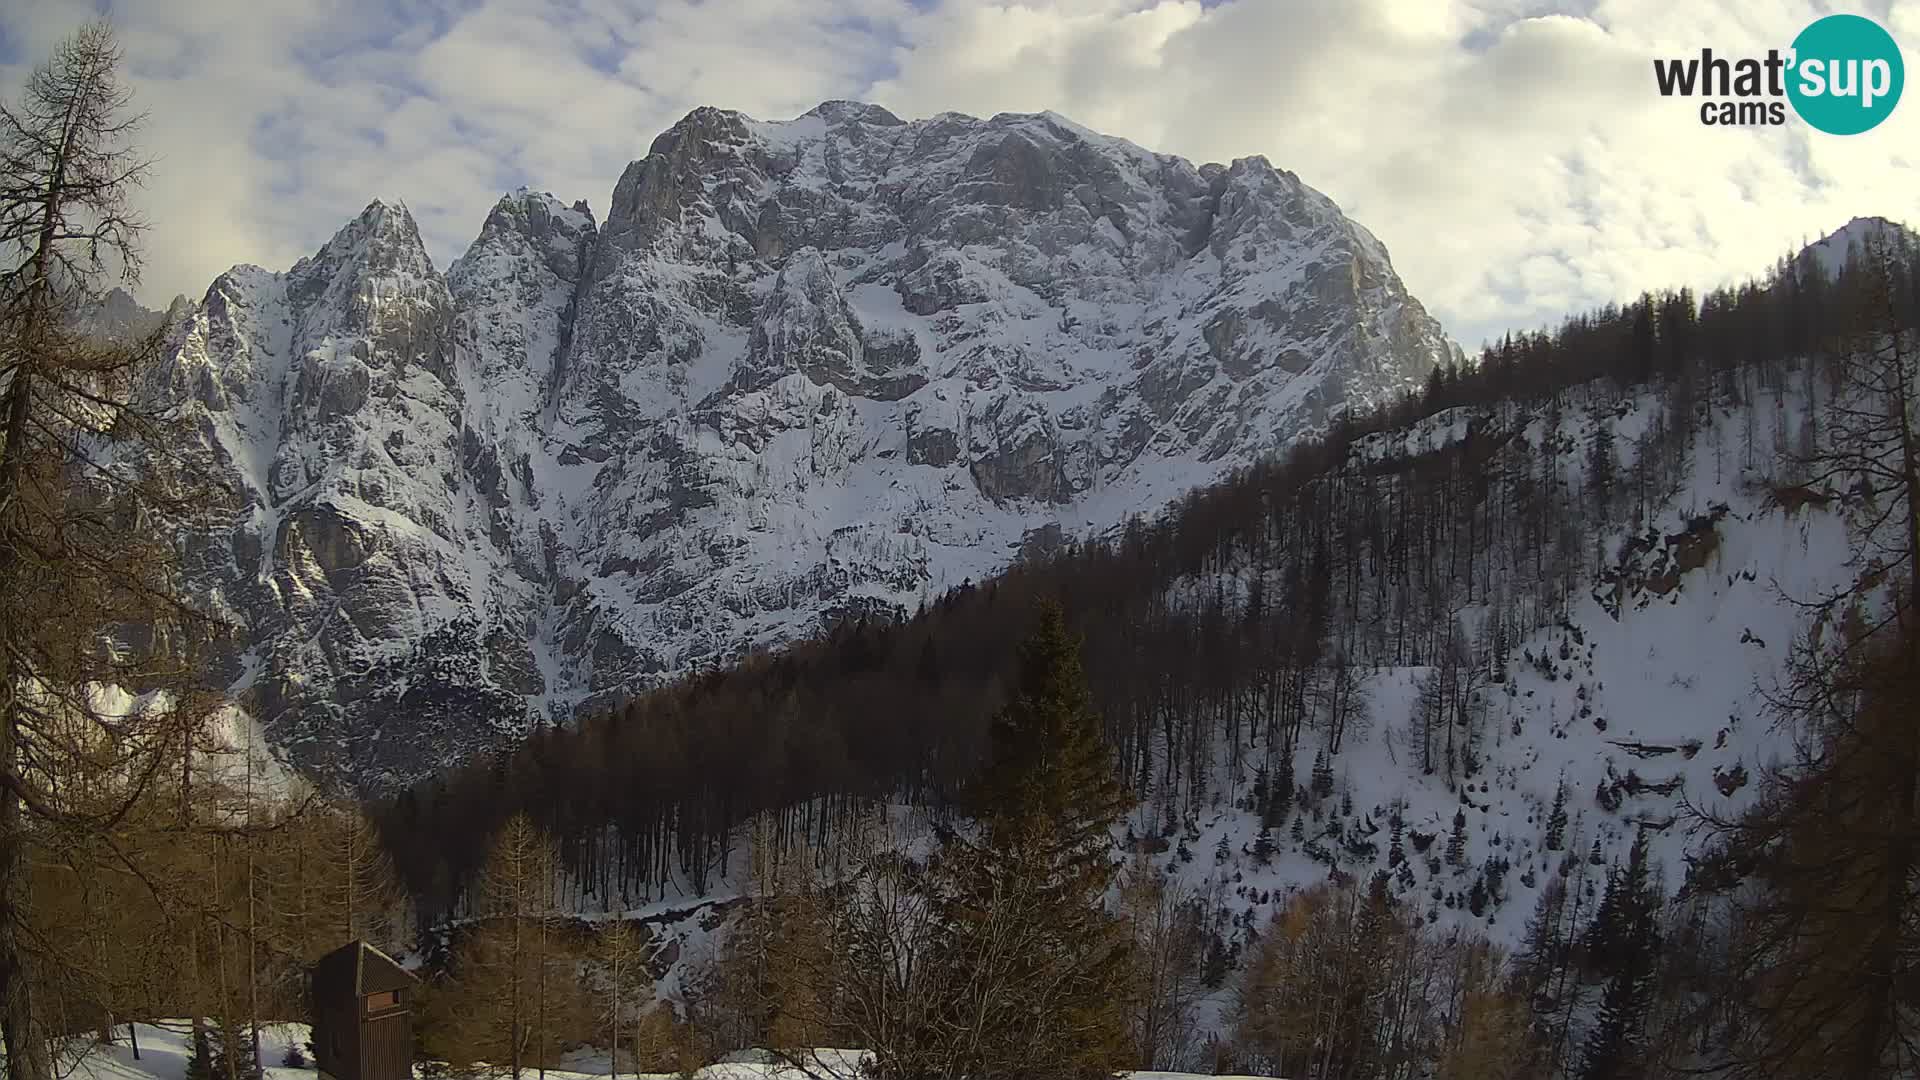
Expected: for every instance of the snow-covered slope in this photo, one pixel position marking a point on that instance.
(1649, 696)
(1831, 252)
(844, 360)
(823, 365)
(165, 1048)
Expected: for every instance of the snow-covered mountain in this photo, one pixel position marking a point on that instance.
(1831, 252)
(803, 368)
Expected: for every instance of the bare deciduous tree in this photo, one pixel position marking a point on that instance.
(90, 607)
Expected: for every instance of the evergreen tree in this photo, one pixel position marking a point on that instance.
(1457, 840)
(200, 1055)
(1322, 775)
(1631, 946)
(1557, 819)
(233, 1057)
(927, 671)
(1601, 462)
(1396, 851)
(1039, 969)
(1280, 799)
(1263, 847)
(1643, 338)
(1605, 933)
(1543, 949)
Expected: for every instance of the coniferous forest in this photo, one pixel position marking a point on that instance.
(945, 837)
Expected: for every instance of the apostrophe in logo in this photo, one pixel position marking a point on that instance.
(1843, 75)
(1847, 74)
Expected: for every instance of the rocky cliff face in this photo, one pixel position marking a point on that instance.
(831, 364)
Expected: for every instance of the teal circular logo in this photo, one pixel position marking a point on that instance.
(1846, 74)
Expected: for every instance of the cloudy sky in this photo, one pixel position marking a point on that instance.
(1513, 155)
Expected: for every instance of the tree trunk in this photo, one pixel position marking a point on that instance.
(27, 1057)
(253, 971)
(353, 873)
(540, 995)
(106, 1004)
(193, 981)
(513, 987)
(226, 996)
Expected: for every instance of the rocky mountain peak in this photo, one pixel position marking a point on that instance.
(118, 317)
(807, 367)
(853, 112)
(530, 243)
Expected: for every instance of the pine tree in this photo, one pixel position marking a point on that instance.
(1542, 951)
(1601, 462)
(1322, 775)
(1457, 840)
(1631, 949)
(1039, 968)
(233, 1056)
(1396, 851)
(1605, 933)
(928, 669)
(1263, 847)
(200, 1055)
(1280, 798)
(1557, 819)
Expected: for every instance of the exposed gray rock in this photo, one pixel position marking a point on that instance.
(823, 366)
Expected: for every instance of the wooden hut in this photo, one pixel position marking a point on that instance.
(360, 1007)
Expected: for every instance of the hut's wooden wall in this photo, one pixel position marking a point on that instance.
(386, 1045)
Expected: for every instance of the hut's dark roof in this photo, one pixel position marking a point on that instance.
(357, 968)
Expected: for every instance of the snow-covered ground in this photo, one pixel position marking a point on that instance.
(164, 1051)
(1656, 694)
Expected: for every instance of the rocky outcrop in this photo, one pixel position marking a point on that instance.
(824, 365)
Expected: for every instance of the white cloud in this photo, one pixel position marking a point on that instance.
(1517, 162)
(1515, 159)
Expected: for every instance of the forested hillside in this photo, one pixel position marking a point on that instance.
(1520, 649)
(1226, 639)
